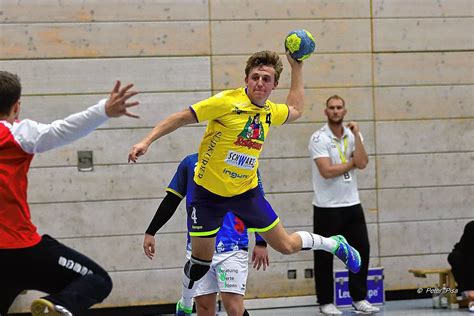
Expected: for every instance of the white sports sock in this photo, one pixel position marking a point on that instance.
(312, 241)
(187, 294)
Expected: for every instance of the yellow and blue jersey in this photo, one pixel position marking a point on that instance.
(234, 137)
(233, 234)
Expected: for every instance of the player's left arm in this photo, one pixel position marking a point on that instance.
(168, 125)
(295, 98)
(359, 156)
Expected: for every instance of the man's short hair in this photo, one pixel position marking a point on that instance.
(335, 97)
(265, 58)
(10, 91)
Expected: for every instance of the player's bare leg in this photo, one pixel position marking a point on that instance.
(206, 304)
(233, 303)
(287, 244)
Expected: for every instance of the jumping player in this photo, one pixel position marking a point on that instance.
(226, 175)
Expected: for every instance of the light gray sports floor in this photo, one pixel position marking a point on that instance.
(419, 307)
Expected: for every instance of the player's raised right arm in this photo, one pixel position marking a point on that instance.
(168, 125)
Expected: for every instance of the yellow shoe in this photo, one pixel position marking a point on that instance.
(43, 307)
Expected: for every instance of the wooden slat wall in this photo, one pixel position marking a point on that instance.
(404, 68)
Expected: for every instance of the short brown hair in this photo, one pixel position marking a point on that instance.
(265, 58)
(10, 91)
(335, 97)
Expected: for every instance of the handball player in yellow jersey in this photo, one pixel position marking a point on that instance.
(226, 174)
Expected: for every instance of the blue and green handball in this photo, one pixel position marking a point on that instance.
(300, 44)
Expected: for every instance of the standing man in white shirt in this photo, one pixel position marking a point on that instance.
(337, 150)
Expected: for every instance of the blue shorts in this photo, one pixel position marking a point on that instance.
(207, 210)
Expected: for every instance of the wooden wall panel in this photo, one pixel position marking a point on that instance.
(423, 69)
(86, 76)
(424, 102)
(417, 170)
(294, 174)
(423, 34)
(153, 107)
(132, 217)
(125, 253)
(396, 269)
(112, 146)
(282, 9)
(419, 237)
(104, 218)
(295, 209)
(408, 86)
(102, 10)
(435, 203)
(359, 103)
(332, 70)
(422, 8)
(399, 137)
(66, 184)
(111, 182)
(330, 35)
(308, 255)
(93, 40)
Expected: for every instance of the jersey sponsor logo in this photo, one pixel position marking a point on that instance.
(220, 247)
(223, 275)
(240, 160)
(208, 154)
(234, 175)
(316, 137)
(239, 226)
(253, 130)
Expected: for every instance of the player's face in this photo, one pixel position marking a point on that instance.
(260, 83)
(335, 111)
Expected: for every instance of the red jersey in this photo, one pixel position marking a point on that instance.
(18, 144)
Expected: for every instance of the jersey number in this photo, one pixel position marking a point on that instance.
(268, 119)
(194, 216)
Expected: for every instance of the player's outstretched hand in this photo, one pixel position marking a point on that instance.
(260, 257)
(149, 246)
(117, 104)
(137, 150)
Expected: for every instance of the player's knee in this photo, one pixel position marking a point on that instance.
(103, 285)
(203, 309)
(286, 248)
(195, 268)
(235, 310)
(107, 284)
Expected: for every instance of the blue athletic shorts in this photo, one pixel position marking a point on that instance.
(207, 210)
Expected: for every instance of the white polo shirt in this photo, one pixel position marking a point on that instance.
(334, 192)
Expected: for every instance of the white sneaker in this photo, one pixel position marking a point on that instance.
(329, 309)
(471, 306)
(365, 307)
(44, 307)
